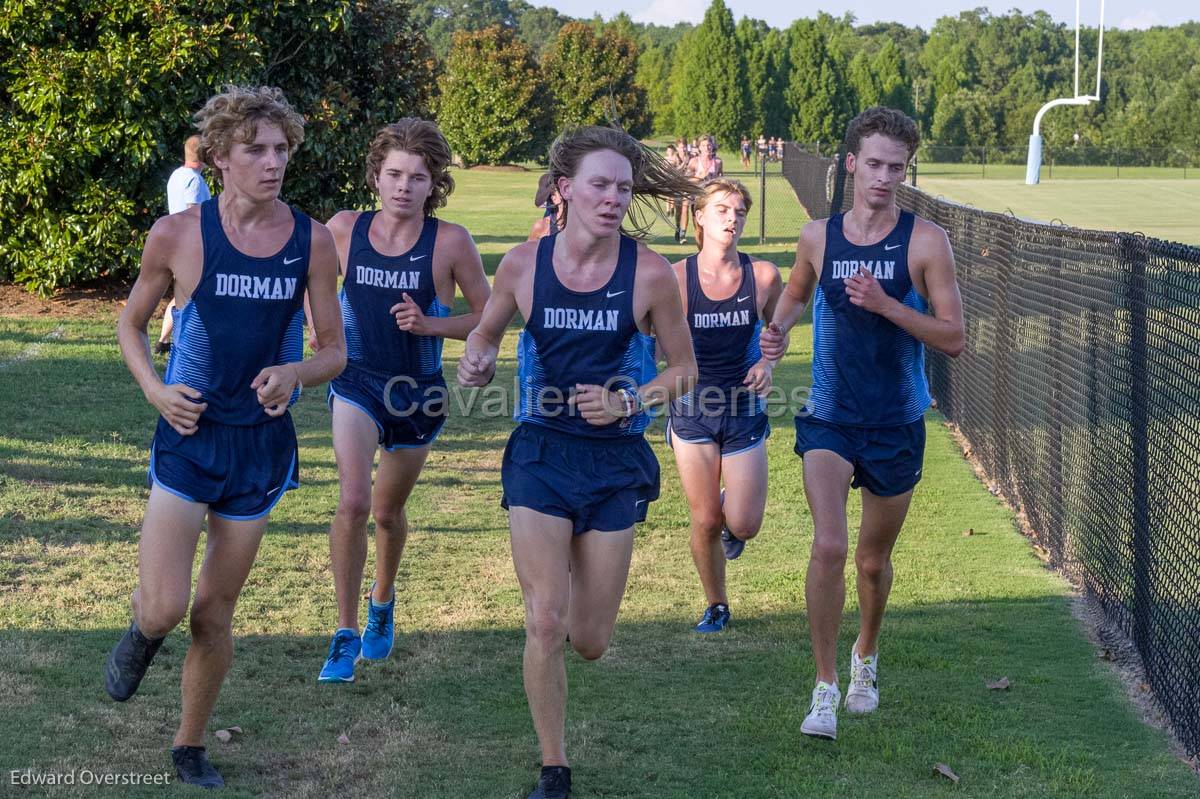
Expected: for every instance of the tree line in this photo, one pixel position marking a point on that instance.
(96, 97)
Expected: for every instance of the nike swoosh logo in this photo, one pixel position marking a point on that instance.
(420, 435)
(743, 299)
(273, 490)
(287, 261)
(890, 247)
(416, 257)
(639, 502)
(612, 294)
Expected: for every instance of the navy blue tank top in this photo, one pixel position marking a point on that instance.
(867, 371)
(574, 337)
(725, 339)
(245, 314)
(373, 283)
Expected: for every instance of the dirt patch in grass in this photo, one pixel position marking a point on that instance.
(99, 300)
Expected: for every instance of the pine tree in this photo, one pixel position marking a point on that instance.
(713, 96)
(817, 91)
(654, 77)
(891, 73)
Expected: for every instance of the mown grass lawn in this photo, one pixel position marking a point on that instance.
(665, 713)
(1159, 207)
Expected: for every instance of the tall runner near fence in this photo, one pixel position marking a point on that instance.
(1079, 394)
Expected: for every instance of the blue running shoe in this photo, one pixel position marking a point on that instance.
(377, 637)
(715, 618)
(554, 782)
(192, 767)
(343, 651)
(732, 545)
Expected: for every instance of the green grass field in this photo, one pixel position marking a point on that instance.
(1162, 208)
(1016, 171)
(664, 714)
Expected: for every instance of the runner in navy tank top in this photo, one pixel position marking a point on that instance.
(718, 430)
(577, 473)
(401, 266)
(874, 272)
(224, 447)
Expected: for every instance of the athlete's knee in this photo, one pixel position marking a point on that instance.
(354, 505)
(872, 566)
(389, 518)
(158, 614)
(707, 523)
(546, 627)
(745, 529)
(590, 647)
(829, 551)
(212, 620)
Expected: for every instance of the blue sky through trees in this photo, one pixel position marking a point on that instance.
(1118, 13)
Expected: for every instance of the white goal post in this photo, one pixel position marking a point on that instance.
(1033, 167)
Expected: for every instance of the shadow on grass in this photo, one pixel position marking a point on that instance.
(665, 713)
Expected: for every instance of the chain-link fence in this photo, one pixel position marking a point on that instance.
(775, 217)
(1079, 394)
(1072, 162)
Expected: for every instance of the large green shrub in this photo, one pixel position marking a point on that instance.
(97, 97)
(591, 76)
(493, 108)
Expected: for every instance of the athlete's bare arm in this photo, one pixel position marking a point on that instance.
(797, 293)
(770, 287)
(931, 263)
(459, 258)
(659, 308)
(275, 384)
(173, 251)
(539, 229)
(680, 270)
(512, 291)
(341, 225)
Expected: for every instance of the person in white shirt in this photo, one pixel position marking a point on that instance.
(186, 187)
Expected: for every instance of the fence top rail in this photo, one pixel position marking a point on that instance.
(1158, 248)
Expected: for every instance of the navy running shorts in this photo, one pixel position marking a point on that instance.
(599, 484)
(240, 472)
(408, 412)
(887, 460)
(732, 434)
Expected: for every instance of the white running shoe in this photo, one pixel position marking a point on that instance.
(821, 721)
(863, 694)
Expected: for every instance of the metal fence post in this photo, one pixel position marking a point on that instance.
(1139, 423)
(839, 184)
(762, 203)
(1055, 421)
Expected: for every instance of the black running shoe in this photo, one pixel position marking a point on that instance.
(127, 663)
(192, 766)
(162, 348)
(553, 783)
